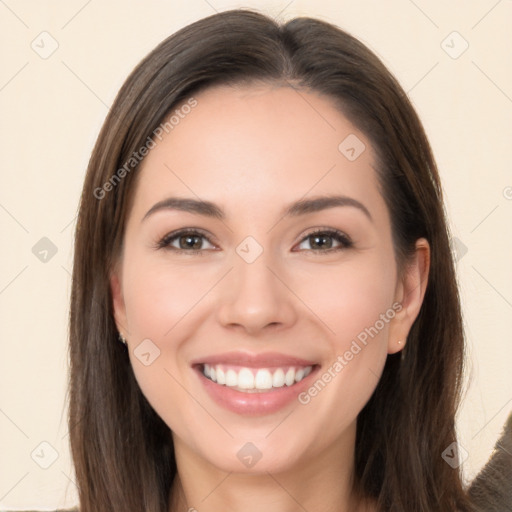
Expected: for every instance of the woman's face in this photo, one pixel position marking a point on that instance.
(294, 326)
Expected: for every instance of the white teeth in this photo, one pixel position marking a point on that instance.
(278, 378)
(289, 378)
(251, 379)
(231, 378)
(263, 380)
(245, 379)
(221, 377)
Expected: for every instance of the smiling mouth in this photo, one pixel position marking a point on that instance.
(255, 380)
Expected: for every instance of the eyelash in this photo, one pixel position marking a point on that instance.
(338, 236)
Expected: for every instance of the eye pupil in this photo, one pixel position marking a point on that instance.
(320, 241)
(195, 240)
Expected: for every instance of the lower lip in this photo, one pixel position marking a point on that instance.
(257, 403)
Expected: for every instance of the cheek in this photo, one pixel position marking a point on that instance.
(162, 306)
(350, 298)
(355, 304)
(158, 296)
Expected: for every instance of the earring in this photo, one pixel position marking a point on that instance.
(399, 342)
(122, 338)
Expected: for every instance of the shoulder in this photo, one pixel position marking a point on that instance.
(491, 489)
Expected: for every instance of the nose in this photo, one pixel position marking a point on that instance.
(255, 297)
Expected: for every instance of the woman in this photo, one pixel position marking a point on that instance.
(262, 226)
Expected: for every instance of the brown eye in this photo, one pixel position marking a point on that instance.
(186, 241)
(190, 242)
(321, 241)
(326, 240)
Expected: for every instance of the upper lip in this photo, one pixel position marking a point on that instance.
(251, 360)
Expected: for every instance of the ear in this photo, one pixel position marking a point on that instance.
(410, 292)
(118, 304)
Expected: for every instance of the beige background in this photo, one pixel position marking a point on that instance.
(52, 109)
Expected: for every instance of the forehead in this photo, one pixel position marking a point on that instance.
(241, 144)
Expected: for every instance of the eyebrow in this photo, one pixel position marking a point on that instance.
(300, 207)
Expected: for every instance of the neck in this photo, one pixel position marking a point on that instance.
(321, 483)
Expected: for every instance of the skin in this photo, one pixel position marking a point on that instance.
(253, 150)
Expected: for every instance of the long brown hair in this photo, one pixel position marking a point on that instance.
(122, 450)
